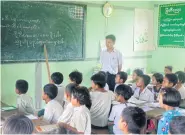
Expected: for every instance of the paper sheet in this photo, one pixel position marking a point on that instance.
(31, 117)
(154, 104)
(146, 108)
(136, 101)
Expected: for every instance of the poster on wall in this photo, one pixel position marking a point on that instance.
(171, 25)
(144, 30)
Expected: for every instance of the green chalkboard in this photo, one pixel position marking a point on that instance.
(171, 25)
(26, 26)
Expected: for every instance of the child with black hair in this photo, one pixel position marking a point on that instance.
(123, 93)
(106, 85)
(75, 77)
(69, 109)
(135, 76)
(177, 125)
(81, 119)
(101, 101)
(169, 81)
(143, 93)
(169, 99)
(168, 70)
(157, 80)
(18, 124)
(57, 79)
(121, 78)
(53, 110)
(181, 80)
(132, 121)
(24, 102)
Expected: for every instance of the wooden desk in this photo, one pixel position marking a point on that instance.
(155, 116)
(6, 114)
(155, 113)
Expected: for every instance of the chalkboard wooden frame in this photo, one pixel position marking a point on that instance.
(84, 6)
(159, 23)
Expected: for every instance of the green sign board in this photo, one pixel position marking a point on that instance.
(171, 25)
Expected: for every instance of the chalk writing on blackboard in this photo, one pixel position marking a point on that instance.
(26, 26)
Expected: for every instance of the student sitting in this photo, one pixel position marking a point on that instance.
(24, 102)
(169, 98)
(177, 125)
(169, 81)
(168, 69)
(133, 120)
(75, 77)
(81, 119)
(68, 111)
(135, 76)
(57, 79)
(181, 80)
(18, 124)
(101, 101)
(53, 110)
(123, 93)
(121, 78)
(80, 122)
(106, 85)
(157, 80)
(143, 93)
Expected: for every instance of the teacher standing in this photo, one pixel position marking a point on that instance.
(111, 61)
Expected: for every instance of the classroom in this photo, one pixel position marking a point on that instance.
(43, 40)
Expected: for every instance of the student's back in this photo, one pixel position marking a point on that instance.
(101, 104)
(60, 95)
(101, 101)
(53, 110)
(57, 79)
(24, 102)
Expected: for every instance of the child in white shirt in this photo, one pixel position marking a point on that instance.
(143, 93)
(101, 101)
(135, 76)
(53, 110)
(81, 119)
(123, 93)
(69, 109)
(121, 78)
(180, 87)
(24, 102)
(157, 80)
(57, 79)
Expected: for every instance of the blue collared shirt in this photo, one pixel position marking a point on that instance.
(163, 125)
